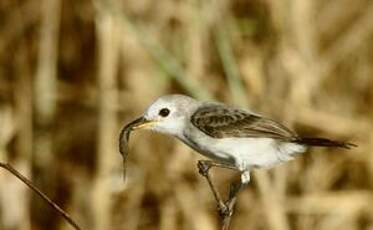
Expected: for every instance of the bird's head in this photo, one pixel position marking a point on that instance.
(168, 114)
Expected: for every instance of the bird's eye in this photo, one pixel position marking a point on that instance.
(164, 112)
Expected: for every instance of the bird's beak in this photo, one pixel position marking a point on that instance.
(141, 123)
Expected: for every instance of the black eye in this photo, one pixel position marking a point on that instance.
(164, 112)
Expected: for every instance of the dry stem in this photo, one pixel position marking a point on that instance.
(29, 184)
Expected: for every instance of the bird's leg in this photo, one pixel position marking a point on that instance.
(204, 167)
(235, 188)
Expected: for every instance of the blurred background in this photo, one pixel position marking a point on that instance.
(72, 73)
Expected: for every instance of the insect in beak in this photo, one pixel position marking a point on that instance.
(124, 136)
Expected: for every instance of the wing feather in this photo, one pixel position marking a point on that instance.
(219, 121)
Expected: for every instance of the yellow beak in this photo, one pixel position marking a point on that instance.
(141, 123)
(144, 124)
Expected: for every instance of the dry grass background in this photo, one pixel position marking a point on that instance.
(73, 72)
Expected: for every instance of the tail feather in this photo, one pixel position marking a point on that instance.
(323, 142)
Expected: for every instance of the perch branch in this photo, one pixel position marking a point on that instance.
(226, 220)
(225, 209)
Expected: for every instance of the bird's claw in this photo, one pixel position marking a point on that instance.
(224, 210)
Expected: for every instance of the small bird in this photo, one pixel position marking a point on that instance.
(230, 137)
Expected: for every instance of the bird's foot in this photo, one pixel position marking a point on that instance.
(225, 210)
(203, 168)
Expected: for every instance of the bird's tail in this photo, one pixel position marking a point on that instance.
(323, 142)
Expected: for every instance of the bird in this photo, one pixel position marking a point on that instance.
(229, 137)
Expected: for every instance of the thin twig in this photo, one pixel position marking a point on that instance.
(26, 181)
(226, 221)
(204, 167)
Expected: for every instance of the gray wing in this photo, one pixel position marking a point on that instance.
(220, 121)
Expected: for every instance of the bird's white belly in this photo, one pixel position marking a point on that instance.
(246, 153)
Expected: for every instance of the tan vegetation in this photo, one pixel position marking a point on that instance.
(72, 73)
